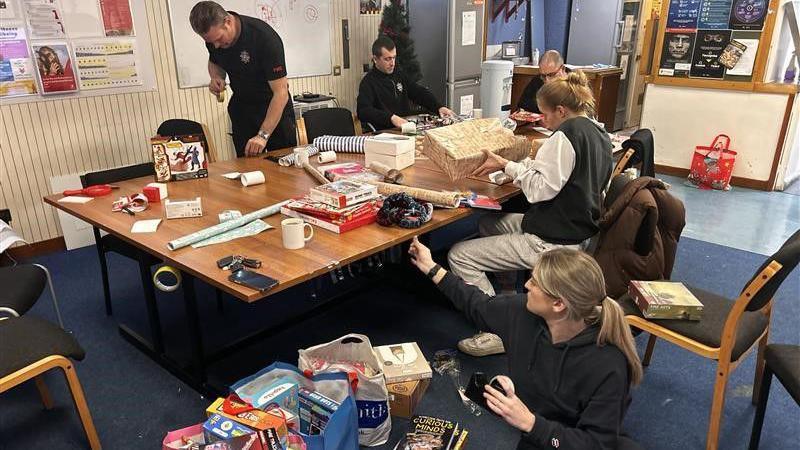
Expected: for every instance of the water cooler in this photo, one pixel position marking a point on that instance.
(496, 78)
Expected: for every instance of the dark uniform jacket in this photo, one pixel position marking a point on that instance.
(382, 95)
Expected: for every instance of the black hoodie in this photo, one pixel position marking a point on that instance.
(577, 390)
(381, 95)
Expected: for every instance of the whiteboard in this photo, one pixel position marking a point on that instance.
(303, 25)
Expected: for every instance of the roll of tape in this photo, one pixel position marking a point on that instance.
(326, 157)
(252, 178)
(167, 287)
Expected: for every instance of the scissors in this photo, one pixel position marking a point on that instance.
(98, 190)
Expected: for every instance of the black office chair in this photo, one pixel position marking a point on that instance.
(640, 151)
(182, 127)
(330, 121)
(783, 361)
(29, 347)
(23, 284)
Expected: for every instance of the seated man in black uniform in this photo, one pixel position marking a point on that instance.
(551, 67)
(385, 95)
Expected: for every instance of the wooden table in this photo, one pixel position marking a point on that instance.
(604, 84)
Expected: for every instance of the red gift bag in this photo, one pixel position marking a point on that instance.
(712, 166)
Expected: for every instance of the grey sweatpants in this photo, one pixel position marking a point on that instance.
(502, 247)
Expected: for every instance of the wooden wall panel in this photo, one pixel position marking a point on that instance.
(55, 137)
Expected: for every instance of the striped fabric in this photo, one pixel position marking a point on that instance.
(341, 144)
(288, 160)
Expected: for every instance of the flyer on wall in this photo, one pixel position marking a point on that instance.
(749, 14)
(56, 73)
(16, 66)
(683, 14)
(106, 65)
(117, 18)
(676, 56)
(714, 14)
(44, 19)
(708, 47)
(8, 10)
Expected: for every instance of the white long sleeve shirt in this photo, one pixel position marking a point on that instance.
(541, 179)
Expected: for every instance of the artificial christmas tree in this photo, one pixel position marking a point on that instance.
(394, 24)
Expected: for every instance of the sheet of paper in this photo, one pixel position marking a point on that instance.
(623, 63)
(75, 199)
(747, 60)
(44, 19)
(107, 64)
(466, 106)
(469, 25)
(82, 18)
(145, 226)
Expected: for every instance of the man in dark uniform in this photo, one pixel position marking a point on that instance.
(250, 52)
(551, 67)
(385, 95)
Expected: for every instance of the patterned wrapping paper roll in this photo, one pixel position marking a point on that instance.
(288, 160)
(341, 144)
(206, 233)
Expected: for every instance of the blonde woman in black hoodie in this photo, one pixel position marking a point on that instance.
(571, 356)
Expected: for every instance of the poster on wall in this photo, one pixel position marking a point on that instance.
(44, 19)
(117, 17)
(16, 66)
(106, 64)
(56, 73)
(683, 14)
(708, 47)
(714, 14)
(743, 54)
(676, 56)
(371, 6)
(748, 14)
(8, 9)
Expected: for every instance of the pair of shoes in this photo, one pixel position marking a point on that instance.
(482, 344)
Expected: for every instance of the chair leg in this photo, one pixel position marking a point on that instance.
(103, 271)
(52, 294)
(760, 365)
(220, 308)
(153, 316)
(81, 406)
(44, 393)
(717, 405)
(648, 352)
(761, 408)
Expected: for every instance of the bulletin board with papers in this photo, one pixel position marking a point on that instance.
(713, 43)
(58, 48)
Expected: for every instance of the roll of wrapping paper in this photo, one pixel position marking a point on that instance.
(288, 160)
(206, 233)
(315, 173)
(443, 198)
(391, 175)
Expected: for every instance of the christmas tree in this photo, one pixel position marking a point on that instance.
(394, 24)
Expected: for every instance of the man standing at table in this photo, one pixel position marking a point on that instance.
(250, 52)
(385, 95)
(551, 67)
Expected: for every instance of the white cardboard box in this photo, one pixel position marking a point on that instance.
(393, 150)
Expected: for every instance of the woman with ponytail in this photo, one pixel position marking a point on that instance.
(563, 185)
(571, 357)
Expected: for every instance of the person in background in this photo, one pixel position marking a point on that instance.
(385, 94)
(551, 67)
(571, 356)
(250, 53)
(563, 185)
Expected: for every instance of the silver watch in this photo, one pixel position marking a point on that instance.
(263, 134)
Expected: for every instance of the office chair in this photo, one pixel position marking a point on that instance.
(23, 284)
(728, 330)
(30, 347)
(329, 121)
(182, 127)
(783, 361)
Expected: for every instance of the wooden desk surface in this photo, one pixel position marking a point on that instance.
(590, 72)
(289, 267)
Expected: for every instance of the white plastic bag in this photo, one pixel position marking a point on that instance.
(372, 398)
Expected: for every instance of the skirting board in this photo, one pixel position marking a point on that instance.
(761, 185)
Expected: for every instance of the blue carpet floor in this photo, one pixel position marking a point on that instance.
(134, 402)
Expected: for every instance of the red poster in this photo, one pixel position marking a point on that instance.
(117, 19)
(55, 68)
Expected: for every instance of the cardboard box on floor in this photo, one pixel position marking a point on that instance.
(404, 397)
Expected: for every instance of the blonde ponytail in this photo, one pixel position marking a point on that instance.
(571, 92)
(614, 331)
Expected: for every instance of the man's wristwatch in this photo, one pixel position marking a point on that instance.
(434, 270)
(263, 134)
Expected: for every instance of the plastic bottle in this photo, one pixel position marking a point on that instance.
(535, 57)
(791, 70)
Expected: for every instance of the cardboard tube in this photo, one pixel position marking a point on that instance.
(390, 175)
(444, 198)
(311, 170)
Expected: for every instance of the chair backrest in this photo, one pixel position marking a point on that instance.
(117, 174)
(643, 146)
(788, 257)
(330, 121)
(182, 127)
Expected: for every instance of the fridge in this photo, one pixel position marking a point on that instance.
(455, 79)
(605, 32)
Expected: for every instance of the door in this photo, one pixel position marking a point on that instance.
(464, 40)
(595, 32)
(464, 96)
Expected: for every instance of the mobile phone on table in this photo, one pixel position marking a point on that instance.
(253, 280)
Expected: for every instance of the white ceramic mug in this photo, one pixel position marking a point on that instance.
(294, 235)
(300, 156)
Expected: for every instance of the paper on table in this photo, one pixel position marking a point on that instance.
(75, 199)
(145, 226)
